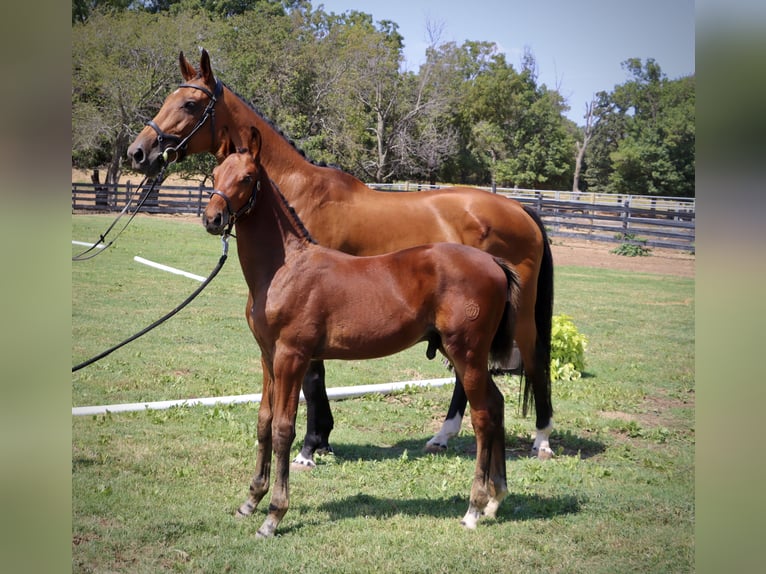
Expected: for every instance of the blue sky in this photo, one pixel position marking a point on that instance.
(578, 44)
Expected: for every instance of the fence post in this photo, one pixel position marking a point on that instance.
(199, 199)
(625, 216)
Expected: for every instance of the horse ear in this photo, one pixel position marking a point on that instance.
(205, 69)
(255, 142)
(227, 146)
(187, 70)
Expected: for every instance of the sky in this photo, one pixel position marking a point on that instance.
(578, 45)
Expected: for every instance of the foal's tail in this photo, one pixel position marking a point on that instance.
(501, 349)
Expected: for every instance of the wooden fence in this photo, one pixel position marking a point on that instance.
(645, 220)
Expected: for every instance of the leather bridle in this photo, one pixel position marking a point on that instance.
(242, 211)
(176, 146)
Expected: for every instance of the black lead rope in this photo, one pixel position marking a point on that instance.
(213, 273)
(84, 255)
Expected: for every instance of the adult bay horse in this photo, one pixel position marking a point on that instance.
(344, 214)
(310, 302)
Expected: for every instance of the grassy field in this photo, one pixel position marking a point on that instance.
(155, 491)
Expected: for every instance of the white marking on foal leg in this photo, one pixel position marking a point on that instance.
(300, 462)
(450, 428)
(471, 517)
(542, 447)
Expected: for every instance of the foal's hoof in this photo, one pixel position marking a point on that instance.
(245, 509)
(300, 462)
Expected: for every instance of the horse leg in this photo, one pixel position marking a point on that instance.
(489, 482)
(537, 375)
(452, 422)
(287, 377)
(260, 484)
(319, 420)
(497, 466)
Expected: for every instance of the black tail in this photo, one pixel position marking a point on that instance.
(543, 321)
(501, 349)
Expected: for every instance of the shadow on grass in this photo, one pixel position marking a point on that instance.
(563, 442)
(514, 507)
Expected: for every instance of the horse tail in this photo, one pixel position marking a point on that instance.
(543, 323)
(501, 349)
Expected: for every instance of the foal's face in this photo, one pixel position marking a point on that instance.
(234, 183)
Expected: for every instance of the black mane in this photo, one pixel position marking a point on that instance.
(281, 133)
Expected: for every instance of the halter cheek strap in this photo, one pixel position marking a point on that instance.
(176, 149)
(244, 210)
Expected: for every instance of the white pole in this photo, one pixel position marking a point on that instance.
(86, 244)
(168, 268)
(335, 393)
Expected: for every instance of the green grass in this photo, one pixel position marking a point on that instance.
(155, 491)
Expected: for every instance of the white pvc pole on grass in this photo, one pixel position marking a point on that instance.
(335, 393)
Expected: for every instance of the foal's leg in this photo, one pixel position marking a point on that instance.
(288, 373)
(489, 482)
(319, 420)
(497, 466)
(260, 484)
(452, 422)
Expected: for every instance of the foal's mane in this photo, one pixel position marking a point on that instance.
(289, 210)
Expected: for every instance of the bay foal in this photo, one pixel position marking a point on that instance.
(309, 302)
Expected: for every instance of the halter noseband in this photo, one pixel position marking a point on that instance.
(244, 210)
(178, 151)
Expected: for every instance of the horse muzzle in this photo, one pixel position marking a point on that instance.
(145, 158)
(215, 222)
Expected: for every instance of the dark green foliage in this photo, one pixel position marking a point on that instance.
(336, 87)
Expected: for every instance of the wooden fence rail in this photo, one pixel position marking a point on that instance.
(643, 220)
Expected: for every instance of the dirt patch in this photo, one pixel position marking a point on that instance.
(579, 252)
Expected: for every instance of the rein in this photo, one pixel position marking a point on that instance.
(83, 256)
(179, 150)
(213, 273)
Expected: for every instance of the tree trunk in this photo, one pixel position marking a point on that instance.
(587, 133)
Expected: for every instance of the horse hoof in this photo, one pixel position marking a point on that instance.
(300, 462)
(435, 448)
(543, 453)
(325, 450)
(244, 511)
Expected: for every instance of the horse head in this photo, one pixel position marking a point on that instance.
(176, 130)
(236, 182)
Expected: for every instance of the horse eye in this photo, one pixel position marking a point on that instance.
(189, 105)
(248, 178)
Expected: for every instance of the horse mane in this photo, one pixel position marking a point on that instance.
(292, 214)
(281, 132)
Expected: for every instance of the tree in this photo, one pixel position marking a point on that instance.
(644, 137)
(581, 146)
(123, 65)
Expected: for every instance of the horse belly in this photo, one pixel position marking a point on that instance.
(369, 335)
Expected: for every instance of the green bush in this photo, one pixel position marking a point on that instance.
(567, 349)
(636, 249)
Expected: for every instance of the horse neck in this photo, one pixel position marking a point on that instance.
(269, 236)
(306, 185)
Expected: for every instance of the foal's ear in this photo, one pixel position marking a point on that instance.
(187, 70)
(255, 142)
(205, 69)
(227, 146)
